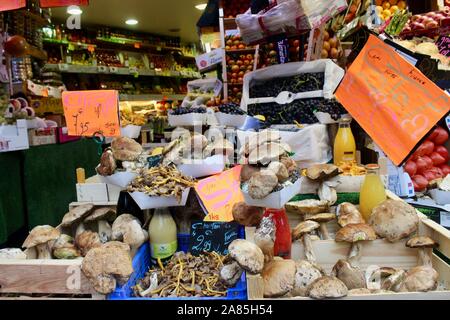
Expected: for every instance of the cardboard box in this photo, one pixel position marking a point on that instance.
(47, 105)
(14, 137)
(92, 192)
(40, 137)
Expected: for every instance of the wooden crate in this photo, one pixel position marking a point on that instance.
(44, 279)
(380, 253)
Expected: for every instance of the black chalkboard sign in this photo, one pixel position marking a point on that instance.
(212, 236)
(443, 44)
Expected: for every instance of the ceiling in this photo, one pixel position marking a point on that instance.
(154, 16)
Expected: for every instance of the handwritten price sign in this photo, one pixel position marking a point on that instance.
(392, 100)
(88, 112)
(63, 3)
(219, 193)
(6, 5)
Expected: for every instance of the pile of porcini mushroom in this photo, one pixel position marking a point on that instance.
(268, 167)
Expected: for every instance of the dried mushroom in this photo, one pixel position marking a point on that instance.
(161, 181)
(187, 276)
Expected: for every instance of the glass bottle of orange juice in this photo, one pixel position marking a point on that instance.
(372, 191)
(344, 144)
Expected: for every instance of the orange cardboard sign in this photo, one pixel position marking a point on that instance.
(392, 100)
(219, 193)
(6, 5)
(89, 112)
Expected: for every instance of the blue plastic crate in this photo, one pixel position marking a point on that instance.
(142, 262)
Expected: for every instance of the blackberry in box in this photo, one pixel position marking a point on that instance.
(294, 92)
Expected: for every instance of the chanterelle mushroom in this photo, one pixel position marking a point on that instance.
(394, 220)
(352, 277)
(248, 255)
(64, 248)
(102, 216)
(39, 238)
(74, 218)
(327, 287)
(302, 230)
(348, 214)
(278, 277)
(323, 219)
(420, 279)
(354, 234)
(305, 274)
(425, 246)
(107, 263)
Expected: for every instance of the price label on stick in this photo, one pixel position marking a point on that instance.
(88, 112)
(391, 99)
(212, 237)
(219, 193)
(6, 5)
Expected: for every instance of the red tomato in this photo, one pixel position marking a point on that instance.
(430, 175)
(441, 137)
(445, 169)
(421, 164)
(420, 181)
(411, 168)
(429, 161)
(442, 151)
(437, 159)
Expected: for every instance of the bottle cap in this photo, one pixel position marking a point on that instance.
(372, 166)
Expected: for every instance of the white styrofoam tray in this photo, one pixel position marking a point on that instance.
(120, 179)
(146, 202)
(130, 131)
(275, 200)
(203, 168)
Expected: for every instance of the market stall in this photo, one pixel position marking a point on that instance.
(310, 161)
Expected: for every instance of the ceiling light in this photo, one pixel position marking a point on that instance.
(201, 6)
(74, 10)
(132, 22)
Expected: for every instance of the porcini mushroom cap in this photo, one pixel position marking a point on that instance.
(126, 149)
(322, 172)
(104, 213)
(76, 214)
(327, 287)
(308, 206)
(304, 228)
(393, 282)
(261, 184)
(87, 240)
(420, 279)
(352, 277)
(305, 274)
(40, 235)
(421, 242)
(266, 153)
(248, 255)
(231, 273)
(394, 220)
(322, 217)
(119, 226)
(355, 232)
(278, 277)
(246, 215)
(348, 214)
(105, 263)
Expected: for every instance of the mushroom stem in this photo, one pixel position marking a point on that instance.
(104, 230)
(80, 229)
(309, 252)
(324, 231)
(354, 254)
(43, 251)
(425, 257)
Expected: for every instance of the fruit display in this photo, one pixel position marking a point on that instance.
(231, 108)
(387, 8)
(424, 46)
(235, 42)
(237, 66)
(180, 111)
(232, 8)
(425, 24)
(267, 55)
(397, 23)
(331, 48)
(430, 161)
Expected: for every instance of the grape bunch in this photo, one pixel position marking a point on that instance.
(332, 107)
(305, 82)
(231, 108)
(181, 111)
(301, 111)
